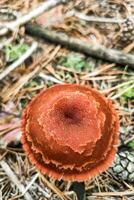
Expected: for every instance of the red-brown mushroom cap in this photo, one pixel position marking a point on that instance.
(70, 131)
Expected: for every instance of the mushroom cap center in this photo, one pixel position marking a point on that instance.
(73, 118)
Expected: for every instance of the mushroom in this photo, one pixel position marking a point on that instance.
(70, 132)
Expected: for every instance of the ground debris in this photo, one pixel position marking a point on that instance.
(51, 64)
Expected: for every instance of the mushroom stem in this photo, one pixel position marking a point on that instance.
(79, 189)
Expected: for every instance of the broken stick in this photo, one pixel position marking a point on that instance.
(97, 51)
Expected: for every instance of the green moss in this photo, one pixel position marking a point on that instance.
(15, 51)
(131, 144)
(74, 61)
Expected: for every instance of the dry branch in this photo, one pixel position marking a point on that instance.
(97, 51)
(33, 14)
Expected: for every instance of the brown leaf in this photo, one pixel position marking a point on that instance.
(51, 17)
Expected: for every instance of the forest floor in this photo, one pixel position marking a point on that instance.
(42, 64)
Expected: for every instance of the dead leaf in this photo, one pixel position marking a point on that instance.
(51, 17)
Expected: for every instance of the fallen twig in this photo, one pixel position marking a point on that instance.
(54, 188)
(14, 179)
(97, 78)
(14, 89)
(49, 78)
(117, 86)
(0, 195)
(122, 92)
(27, 188)
(129, 140)
(121, 194)
(26, 18)
(98, 51)
(8, 41)
(98, 71)
(3, 132)
(94, 18)
(19, 61)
